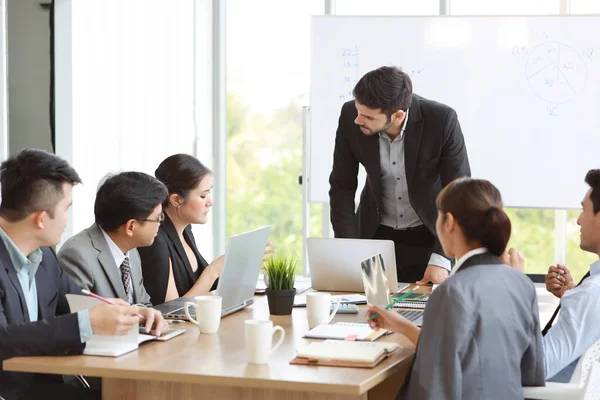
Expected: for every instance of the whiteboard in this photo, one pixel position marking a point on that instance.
(526, 90)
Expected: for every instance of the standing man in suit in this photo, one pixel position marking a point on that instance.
(411, 148)
(34, 314)
(103, 258)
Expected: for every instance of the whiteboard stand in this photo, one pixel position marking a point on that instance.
(304, 181)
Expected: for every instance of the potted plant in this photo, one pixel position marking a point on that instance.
(280, 273)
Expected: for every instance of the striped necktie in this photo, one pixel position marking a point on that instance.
(549, 324)
(126, 278)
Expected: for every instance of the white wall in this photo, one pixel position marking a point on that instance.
(125, 91)
(28, 75)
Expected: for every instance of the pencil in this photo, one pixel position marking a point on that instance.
(94, 295)
(372, 317)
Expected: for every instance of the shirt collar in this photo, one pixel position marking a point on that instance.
(18, 259)
(401, 135)
(116, 252)
(465, 257)
(595, 268)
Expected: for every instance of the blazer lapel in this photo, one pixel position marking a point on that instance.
(106, 260)
(412, 138)
(14, 279)
(174, 237)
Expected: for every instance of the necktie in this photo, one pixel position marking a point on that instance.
(126, 278)
(549, 324)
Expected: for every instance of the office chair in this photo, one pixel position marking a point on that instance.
(584, 384)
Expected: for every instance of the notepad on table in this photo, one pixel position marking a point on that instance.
(345, 354)
(344, 330)
(413, 300)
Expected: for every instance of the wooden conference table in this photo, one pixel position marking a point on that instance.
(202, 366)
(214, 366)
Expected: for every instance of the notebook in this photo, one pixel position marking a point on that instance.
(113, 346)
(345, 330)
(300, 301)
(413, 300)
(347, 352)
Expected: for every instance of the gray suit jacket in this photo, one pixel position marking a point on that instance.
(87, 258)
(480, 338)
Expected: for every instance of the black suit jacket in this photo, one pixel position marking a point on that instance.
(55, 333)
(435, 154)
(155, 262)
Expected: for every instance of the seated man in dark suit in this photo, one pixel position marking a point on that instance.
(34, 314)
(103, 258)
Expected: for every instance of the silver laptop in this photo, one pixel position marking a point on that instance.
(241, 268)
(335, 263)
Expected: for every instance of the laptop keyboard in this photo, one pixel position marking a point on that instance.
(412, 315)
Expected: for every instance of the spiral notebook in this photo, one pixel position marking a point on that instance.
(413, 300)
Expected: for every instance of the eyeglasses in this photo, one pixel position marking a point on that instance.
(159, 220)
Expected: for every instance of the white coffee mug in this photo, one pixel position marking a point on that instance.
(259, 340)
(317, 308)
(208, 312)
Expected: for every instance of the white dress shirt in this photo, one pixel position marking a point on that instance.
(119, 257)
(577, 327)
(465, 257)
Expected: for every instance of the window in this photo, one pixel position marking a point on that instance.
(387, 7)
(504, 7)
(584, 7)
(268, 75)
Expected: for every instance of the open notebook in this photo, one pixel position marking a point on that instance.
(344, 353)
(114, 346)
(345, 330)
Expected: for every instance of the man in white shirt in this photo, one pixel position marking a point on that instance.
(577, 327)
(103, 258)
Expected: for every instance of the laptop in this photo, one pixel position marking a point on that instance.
(241, 267)
(335, 263)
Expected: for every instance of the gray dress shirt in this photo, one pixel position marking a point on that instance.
(397, 211)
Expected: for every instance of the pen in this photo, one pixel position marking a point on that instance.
(175, 321)
(372, 317)
(94, 295)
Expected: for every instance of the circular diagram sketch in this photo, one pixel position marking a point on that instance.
(556, 72)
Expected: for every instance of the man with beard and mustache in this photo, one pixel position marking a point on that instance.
(410, 147)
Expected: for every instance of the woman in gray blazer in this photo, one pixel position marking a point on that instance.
(480, 337)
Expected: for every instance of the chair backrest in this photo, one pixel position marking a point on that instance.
(591, 390)
(590, 358)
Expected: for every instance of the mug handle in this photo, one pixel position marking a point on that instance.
(335, 310)
(281, 337)
(187, 312)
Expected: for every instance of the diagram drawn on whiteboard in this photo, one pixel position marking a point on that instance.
(556, 72)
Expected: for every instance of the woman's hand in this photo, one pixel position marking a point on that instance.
(387, 319)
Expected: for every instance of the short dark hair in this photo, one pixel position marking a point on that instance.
(385, 88)
(181, 173)
(592, 178)
(33, 181)
(125, 196)
(477, 206)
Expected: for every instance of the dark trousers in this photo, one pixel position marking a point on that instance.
(413, 250)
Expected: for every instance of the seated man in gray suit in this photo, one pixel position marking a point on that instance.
(103, 258)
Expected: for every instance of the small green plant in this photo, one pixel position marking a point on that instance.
(280, 272)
